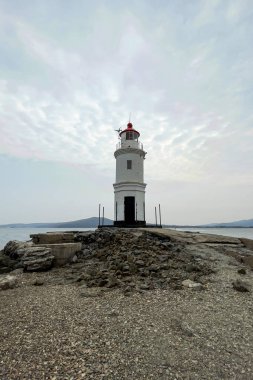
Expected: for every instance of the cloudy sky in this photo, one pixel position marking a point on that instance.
(72, 71)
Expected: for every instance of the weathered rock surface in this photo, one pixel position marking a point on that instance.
(37, 258)
(193, 285)
(15, 249)
(11, 255)
(7, 282)
(241, 286)
(6, 264)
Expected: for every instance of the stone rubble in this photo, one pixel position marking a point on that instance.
(15, 249)
(36, 259)
(241, 286)
(7, 282)
(134, 261)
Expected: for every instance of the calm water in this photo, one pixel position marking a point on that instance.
(234, 232)
(23, 234)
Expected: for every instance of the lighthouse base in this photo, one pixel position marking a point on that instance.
(123, 224)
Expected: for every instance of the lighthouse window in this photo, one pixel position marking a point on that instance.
(129, 136)
(129, 164)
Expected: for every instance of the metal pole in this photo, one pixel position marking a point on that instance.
(136, 212)
(99, 214)
(160, 215)
(116, 211)
(103, 215)
(144, 211)
(155, 217)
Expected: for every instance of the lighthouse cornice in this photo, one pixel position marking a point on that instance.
(120, 151)
(127, 183)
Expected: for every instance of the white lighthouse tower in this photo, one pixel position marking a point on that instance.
(129, 187)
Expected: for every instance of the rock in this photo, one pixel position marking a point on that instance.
(127, 291)
(241, 286)
(14, 248)
(140, 263)
(37, 259)
(241, 271)
(6, 263)
(153, 268)
(191, 284)
(186, 329)
(17, 271)
(248, 260)
(7, 282)
(247, 242)
(144, 286)
(74, 259)
(112, 282)
(113, 313)
(38, 282)
(192, 268)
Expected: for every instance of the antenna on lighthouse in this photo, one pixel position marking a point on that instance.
(129, 117)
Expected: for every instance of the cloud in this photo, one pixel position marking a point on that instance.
(185, 74)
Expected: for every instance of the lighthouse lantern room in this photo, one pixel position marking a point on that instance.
(129, 187)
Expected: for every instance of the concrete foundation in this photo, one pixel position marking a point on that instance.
(53, 237)
(63, 252)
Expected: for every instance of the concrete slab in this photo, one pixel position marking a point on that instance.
(53, 237)
(63, 252)
(194, 237)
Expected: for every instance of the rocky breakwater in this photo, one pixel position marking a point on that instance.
(135, 260)
(146, 259)
(132, 260)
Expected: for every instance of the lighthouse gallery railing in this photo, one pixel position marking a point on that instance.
(137, 145)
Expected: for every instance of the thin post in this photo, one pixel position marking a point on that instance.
(155, 217)
(160, 215)
(136, 212)
(103, 215)
(99, 214)
(144, 211)
(116, 211)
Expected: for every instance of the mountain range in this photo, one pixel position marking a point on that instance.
(81, 223)
(94, 221)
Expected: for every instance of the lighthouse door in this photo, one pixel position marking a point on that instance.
(129, 210)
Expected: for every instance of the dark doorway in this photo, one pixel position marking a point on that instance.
(129, 210)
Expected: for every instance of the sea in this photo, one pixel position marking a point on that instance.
(23, 234)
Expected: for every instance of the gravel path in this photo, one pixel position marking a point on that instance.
(64, 332)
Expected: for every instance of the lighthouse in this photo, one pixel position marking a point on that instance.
(129, 186)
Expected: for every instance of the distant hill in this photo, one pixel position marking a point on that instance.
(82, 223)
(238, 223)
(93, 223)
